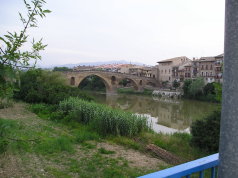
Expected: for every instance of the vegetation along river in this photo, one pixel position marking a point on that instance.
(165, 115)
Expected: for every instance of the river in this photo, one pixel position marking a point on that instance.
(165, 115)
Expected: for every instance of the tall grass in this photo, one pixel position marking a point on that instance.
(103, 118)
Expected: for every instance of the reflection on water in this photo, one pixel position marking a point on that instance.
(167, 115)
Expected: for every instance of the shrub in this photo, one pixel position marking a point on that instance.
(102, 118)
(38, 86)
(205, 133)
(195, 89)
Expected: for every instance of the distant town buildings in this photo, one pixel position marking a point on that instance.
(169, 70)
(182, 68)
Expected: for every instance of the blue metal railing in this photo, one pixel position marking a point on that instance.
(187, 169)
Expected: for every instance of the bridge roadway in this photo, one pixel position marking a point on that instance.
(111, 79)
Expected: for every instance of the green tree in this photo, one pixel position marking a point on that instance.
(196, 87)
(12, 57)
(205, 132)
(186, 87)
(176, 84)
(218, 91)
(209, 89)
(39, 86)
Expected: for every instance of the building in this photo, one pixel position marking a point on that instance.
(207, 69)
(183, 71)
(168, 69)
(219, 67)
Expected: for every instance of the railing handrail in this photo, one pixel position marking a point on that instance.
(187, 168)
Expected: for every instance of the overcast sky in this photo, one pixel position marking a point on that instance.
(144, 31)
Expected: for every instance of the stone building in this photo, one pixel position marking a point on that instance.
(168, 69)
(219, 67)
(207, 69)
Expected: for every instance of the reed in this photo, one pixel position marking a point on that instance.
(103, 118)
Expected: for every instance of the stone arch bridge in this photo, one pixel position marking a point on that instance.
(111, 79)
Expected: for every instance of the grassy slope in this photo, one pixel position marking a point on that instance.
(43, 148)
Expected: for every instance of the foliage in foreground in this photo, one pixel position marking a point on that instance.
(12, 57)
(206, 132)
(39, 86)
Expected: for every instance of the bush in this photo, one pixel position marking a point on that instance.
(102, 118)
(195, 89)
(38, 86)
(205, 133)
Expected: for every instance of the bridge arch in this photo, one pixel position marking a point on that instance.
(134, 83)
(151, 84)
(104, 80)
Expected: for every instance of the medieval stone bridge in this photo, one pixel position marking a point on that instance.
(111, 79)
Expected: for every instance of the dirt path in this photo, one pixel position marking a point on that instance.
(35, 165)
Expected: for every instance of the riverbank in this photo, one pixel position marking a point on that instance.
(38, 146)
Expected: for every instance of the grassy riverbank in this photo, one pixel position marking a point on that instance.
(39, 147)
(119, 127)
(45, 145)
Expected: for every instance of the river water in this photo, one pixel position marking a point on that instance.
(165, 115)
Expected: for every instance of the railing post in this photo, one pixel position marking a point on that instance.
(229, 123)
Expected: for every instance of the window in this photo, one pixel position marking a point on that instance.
(206, 67)
(211, 67)
(202, 67)
(202, 73)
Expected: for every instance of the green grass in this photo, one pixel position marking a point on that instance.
(127, 142)
(104, 151)
(55, 145)
(177, 143)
